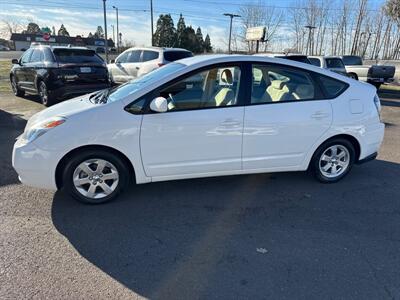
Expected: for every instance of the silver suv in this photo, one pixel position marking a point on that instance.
(136, 62)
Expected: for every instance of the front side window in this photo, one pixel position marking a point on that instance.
(123, 58)
(280, 84)
(216, 87)
(26, 56)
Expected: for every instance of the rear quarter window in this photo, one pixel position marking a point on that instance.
(332, 87)
(77, 56)
(176, 55)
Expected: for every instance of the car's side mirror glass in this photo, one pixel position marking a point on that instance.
(159, 104)
(15, 61)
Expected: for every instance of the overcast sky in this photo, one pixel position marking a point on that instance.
(81, 17)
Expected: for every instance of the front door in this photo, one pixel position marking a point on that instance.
(287, 115)
(201, 133)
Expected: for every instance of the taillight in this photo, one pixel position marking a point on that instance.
(378, 105)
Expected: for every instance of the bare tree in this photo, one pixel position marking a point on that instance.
(8, 27)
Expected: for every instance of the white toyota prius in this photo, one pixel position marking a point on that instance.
(198, 117)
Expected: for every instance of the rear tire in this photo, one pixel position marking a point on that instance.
(17, 92)
(333, 160)
(46, 98)
(353, 75)
(95, 176)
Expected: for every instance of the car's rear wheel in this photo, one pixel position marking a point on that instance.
(353, 75)
(95, 176)
(45, 97)
(333, 160)
(17, 92)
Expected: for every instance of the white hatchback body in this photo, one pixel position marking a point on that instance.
(228, 139)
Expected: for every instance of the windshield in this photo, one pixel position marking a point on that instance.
(148, 79)
(352, 60)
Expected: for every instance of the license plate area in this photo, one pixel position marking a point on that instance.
(85, 69)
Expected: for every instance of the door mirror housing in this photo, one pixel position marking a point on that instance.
(159, 104)
(112, 61)
(15, 61)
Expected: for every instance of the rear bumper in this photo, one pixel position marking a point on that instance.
(368, 158)
(73, 90)
(379, 80)
(371, 141)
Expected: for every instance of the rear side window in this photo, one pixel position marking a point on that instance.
(176, 55)
(331, 86)
(352, 60)
(315, 61)
(77, 56)
(134, 56)
(334, 63)
(149, 55)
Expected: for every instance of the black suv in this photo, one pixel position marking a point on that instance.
(56, 73)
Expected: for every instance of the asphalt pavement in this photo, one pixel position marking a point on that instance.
(268, 236)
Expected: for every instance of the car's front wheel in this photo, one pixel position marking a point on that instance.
(17, 92)
(95, 176)
(333, 160)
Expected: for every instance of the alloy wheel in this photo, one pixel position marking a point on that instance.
(95, 178)
(43, 93)
(334, 161)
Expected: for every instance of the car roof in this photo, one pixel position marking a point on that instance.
(58, 47)
(160, 49)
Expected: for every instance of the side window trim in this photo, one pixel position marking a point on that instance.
(242, 93)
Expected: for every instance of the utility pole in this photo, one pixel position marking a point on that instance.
(310, 29)
(112, 26)
(231, 16)
(105, 30)
(116, 10)
(151, 17)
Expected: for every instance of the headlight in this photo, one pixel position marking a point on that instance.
(41, 128)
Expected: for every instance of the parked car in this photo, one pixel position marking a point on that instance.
(56, 73)
(290, 56)
(136, 62)
(202, 116)
(332, 63)
(100, 50)
(374, 74)
(4, 48)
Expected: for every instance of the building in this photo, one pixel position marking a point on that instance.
(23, 41)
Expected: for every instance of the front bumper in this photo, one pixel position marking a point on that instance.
(35, 167)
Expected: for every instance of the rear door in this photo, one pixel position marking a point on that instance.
(286, 116)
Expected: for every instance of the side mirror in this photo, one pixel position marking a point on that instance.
(112, 61)
(159, 104)
(15, 61)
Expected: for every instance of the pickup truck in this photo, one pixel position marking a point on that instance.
(374, 74)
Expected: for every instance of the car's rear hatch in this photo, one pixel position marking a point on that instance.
(80, 66)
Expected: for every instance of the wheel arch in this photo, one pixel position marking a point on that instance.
(353, 140)
(355, 75)
(62, 163)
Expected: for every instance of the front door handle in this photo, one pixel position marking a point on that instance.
(137, 68)
(230, 123)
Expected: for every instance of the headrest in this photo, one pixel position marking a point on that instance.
(277, 84)
(226, 76)
(305, 91)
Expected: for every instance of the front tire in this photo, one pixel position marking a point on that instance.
(14, 86)
(95, 177)
(333, 160)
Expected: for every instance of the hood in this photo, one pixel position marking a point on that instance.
(63, 109)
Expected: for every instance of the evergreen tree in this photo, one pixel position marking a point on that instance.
(165, 35)
(63, 31)
(32, 28)
(207, 44)
(90, 35)
(200, 41)
(180, 31)
(99, 33)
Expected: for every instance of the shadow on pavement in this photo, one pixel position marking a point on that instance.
(258, 236)
(11, 127)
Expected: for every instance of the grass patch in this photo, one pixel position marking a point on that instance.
(5, 67)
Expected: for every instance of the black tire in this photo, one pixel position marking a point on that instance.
(72, 167)
(353, 75)
(17, 92)
(317, 164)
(45, 97)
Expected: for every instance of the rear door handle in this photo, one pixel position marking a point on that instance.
(319, 115)
(230, 123)
(137, 68)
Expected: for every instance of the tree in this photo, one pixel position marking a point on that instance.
(180, 31)
(99, 33)
(8, 27)
(63, 31)
(32, 28)
(165, 35)
(90, 35)
(207, 44)
(200, 41)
